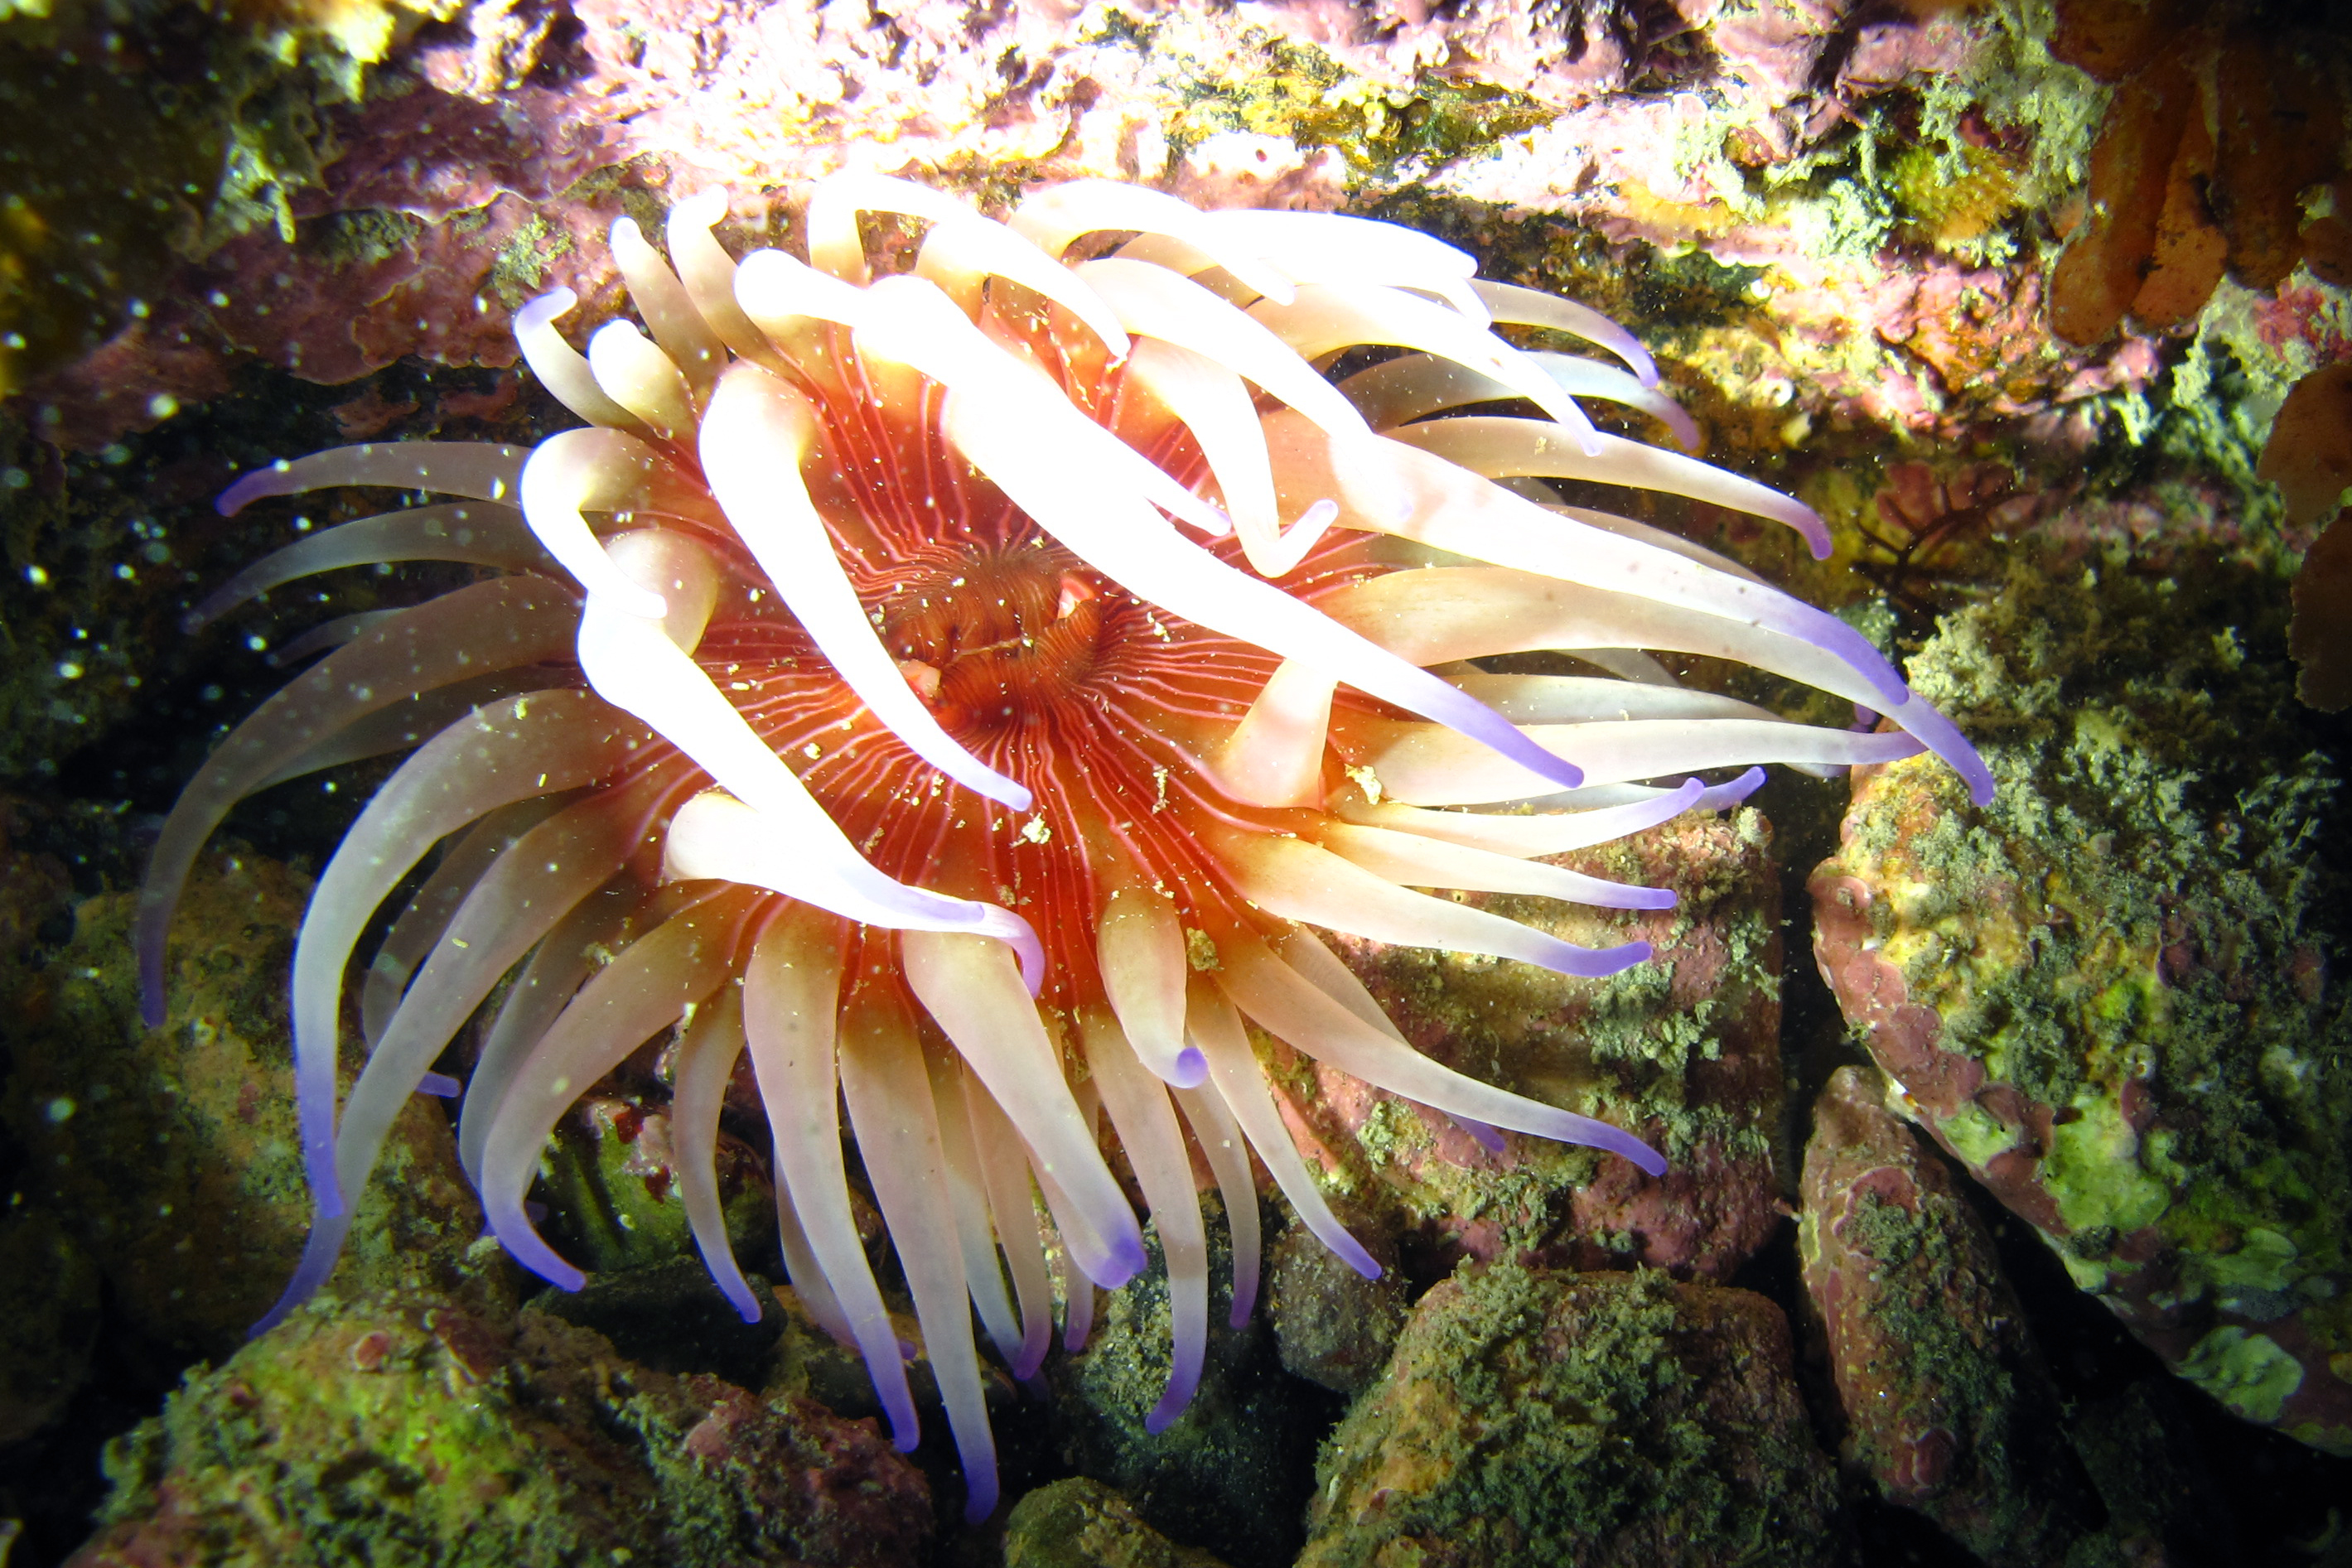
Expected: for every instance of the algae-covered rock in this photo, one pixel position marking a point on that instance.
(1331, 1325)
(1542, 1418)
(1231, 1471)
(610, 1176)
(407, 1431)
(2108, 993)
(1948, 1406)
(173, 1151)
(1683, 1050)
(1081, 1523)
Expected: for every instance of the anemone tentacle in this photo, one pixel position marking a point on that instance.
(857, 701)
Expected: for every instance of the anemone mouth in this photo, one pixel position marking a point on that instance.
(999, 637)
(964, 693)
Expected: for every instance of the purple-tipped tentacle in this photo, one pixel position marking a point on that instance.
(461, 635)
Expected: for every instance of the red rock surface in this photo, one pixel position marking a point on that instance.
(1948, 1406)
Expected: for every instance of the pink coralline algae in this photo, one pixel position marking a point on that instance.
(488, 153)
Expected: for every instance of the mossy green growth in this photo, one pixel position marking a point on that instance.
(2136, 938)
(1536, 1417)
(413, 1433)
(1082, 1524)
(521, 266)
(2215, 408)
(378, 1446)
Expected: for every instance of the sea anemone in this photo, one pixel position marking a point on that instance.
(850, 691)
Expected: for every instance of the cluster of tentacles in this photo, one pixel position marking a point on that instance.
(965, 690)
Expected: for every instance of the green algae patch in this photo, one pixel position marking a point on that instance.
(2247, 1372)
(1531, 1415)
(2093, 1171)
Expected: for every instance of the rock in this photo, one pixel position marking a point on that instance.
(671, 1318)
(1079, 1523)
(1947, 1405)
(411, 1430)
(614, 1196)
(173, 1151)
(1230, 1473)
(2164, 1504)
(1683, 1050)
(48, 1285)
(1534, 1418)
(1331, 1325)
(49, 1321)
(407, 211)
(2107, 994)
(811, 1363)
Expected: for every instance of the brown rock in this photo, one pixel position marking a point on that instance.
(2096, 280)
(2322, 632)
(2280, 125)
(2309, 457)
(49, 1321)
(2113, 39)
(1332, 1326)
(2185, 258)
